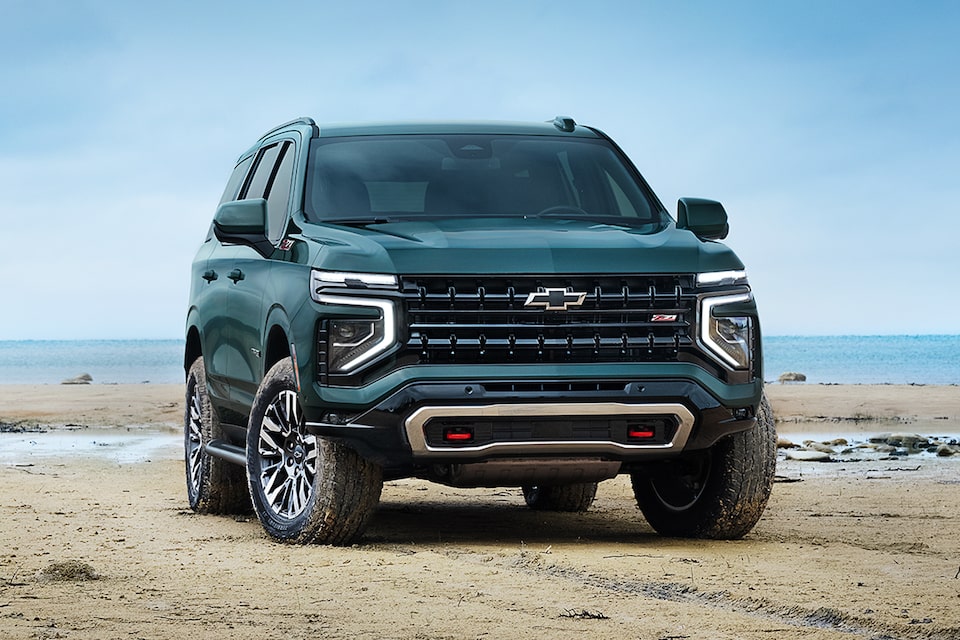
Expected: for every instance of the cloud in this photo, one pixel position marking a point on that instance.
(827, 129)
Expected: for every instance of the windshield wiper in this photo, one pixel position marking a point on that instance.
(614, 221)
(359, 221)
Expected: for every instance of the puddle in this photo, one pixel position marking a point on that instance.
(125, 447)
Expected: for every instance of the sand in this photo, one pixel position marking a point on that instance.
(162, 404)
(96, 541)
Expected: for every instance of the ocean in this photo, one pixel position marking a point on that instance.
(107, 361)
(930, 359)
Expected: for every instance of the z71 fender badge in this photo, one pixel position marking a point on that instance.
(286, 244)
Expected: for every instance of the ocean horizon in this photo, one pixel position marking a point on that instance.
(898, 359)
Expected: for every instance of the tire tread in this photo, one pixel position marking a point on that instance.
(575, 497)
(739, 486)
(223, 485)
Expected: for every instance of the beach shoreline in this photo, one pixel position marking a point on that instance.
(797, 407)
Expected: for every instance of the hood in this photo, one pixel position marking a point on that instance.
(514, 246)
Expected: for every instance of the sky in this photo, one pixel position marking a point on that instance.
(829, 131)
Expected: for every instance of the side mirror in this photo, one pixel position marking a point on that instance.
(243, 222)
(707, 219)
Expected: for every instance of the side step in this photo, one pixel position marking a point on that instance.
(229, 452)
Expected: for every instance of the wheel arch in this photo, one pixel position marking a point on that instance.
(192, 349)
(277, 347)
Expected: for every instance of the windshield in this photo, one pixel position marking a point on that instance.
(367, 179)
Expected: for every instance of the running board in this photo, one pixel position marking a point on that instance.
(226, 451)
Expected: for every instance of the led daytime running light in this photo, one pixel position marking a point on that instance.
(320, 280)
(712, 278)
(386, 321)
(707, 323)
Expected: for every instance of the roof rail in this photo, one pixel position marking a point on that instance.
(564, 123)
(302, 120)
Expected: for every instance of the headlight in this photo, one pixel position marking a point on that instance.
(728, 337)
(354, 341)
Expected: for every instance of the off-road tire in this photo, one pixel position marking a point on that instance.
(213, 484)
(305, 489)
(576, 497)
(720, 493)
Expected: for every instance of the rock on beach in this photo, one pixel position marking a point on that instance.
(808, 455)
(908, 440)
(885, 444)
(792, 376)
(784, 443)
(816, 446)
(83, 378)
(945, 450)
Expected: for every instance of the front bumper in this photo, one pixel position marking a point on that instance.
(529, 418)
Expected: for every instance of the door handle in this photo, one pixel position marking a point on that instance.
(236, 275)
(210, 275)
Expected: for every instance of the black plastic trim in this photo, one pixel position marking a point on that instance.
(378, 433)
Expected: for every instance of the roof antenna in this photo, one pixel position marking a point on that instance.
(564, 123)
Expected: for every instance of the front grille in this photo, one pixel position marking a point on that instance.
(464, 320)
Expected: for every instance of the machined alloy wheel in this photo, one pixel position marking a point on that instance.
(193, 440)
(288, 457)
(304, 488)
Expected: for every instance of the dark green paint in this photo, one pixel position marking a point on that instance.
(516, 245)
(235, 317)
(706, 219)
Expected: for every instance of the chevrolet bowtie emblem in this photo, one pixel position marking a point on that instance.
(555, 299)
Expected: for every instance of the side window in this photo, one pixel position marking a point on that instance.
(271, 180)
(266, 161)
(278, 193)
(232, 189)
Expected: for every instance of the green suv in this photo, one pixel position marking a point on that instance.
(476, 304)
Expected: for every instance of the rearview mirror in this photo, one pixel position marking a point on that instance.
(707, 219)
(243, 222)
